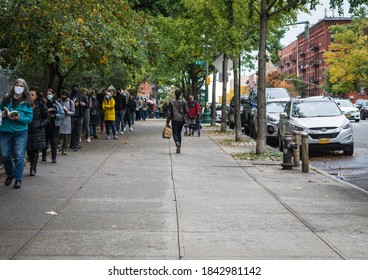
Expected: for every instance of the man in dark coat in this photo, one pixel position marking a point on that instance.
(81, 105)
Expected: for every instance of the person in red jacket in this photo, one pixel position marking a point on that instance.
(193, 114)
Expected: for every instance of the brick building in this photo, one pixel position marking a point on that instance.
(304, 57)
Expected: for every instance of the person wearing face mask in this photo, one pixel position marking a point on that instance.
(94, 114)
(36, 129)
(14, 131)
(108, 106)
(66, 122)
(81, 105)
(56, 113)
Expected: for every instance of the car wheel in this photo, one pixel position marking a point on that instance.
(249, 126)
(349, 151)
(362, 116)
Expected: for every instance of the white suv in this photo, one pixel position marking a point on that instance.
(322, 119)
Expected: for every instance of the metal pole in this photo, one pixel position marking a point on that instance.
(296, 153)
(305, 153)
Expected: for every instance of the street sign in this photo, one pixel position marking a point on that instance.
(199, 62)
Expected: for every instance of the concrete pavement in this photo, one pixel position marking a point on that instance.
(135, 198)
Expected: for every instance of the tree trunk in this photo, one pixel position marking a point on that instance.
(261, 95)
(238, 128)
(213, 104)
(46, 78)
(224, 82)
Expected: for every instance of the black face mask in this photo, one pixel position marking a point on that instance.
(64, 97)
(75, 90)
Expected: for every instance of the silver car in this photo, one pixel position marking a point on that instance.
(273, 109)
(322, 119)
(349, 110)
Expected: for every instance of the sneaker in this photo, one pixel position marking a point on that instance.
(8, 180)
(96, 137)
(116, 138)
(64, 153)
(131, 128)
(122, 132)
(108, 137)
(17, 184)
(89, 140)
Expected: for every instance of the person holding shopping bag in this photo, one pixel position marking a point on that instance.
(178, 109)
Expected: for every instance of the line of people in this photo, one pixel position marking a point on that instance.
(30, 122)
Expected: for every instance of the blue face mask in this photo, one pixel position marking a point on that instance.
(49, 97)
(93, 97)
(108, 97)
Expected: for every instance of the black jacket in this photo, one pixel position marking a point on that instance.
(36, 129)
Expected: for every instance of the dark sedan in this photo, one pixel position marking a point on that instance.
(364, 110)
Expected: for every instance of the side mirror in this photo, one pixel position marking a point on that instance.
(283, 116)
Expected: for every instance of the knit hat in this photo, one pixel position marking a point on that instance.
(111, 88)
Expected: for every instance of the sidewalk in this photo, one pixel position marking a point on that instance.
(135, 198)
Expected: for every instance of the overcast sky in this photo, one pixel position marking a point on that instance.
(313, 18)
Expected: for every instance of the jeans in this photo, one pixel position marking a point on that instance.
(108, 125)
(177, 127)
(13, 148)
(119, 120)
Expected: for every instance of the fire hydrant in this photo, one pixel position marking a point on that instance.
(288, 148)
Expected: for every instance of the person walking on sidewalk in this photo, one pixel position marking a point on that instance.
(52, 130)
(108, 106)
(66, 122)
(36, 129)
(178, 109)
(14, 131)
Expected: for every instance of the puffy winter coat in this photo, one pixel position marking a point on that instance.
(36, 129)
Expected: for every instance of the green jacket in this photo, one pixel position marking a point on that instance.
(26, 116)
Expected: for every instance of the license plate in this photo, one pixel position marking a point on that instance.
(323, 140)
(348, 115)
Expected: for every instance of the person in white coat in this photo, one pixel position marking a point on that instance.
(66, 124)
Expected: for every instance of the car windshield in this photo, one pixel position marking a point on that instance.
(315, 109)
(365, 103)
(344, 103)
(272, 93)
(275, 107)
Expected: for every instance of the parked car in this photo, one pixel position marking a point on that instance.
(364, 110)
(359, 103)
(218, 112)
(322, 119)
(273, 109)
(349, 110)
(251, 104)
(231, 112)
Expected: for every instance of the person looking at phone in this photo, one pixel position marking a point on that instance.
(14, 131)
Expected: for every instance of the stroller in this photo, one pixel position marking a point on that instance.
(195, 126)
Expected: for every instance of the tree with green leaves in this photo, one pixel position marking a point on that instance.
(348, 56)
(65, 36)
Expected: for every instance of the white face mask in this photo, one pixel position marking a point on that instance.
(18, 90)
